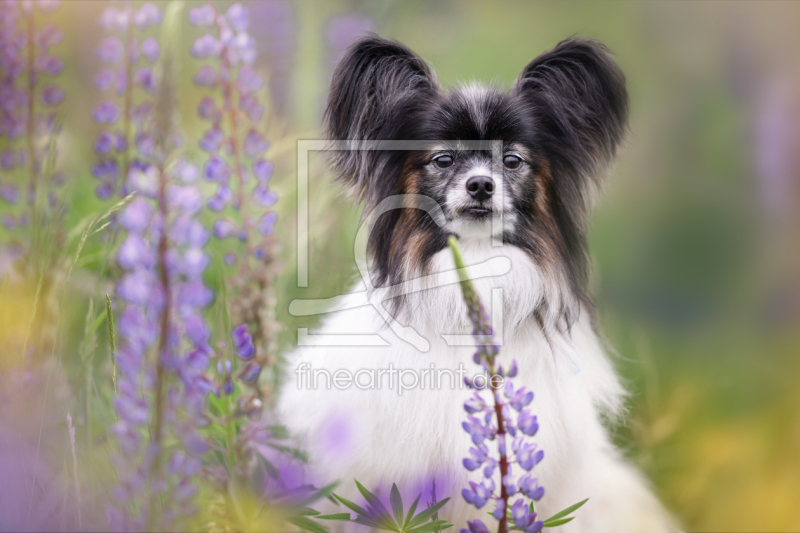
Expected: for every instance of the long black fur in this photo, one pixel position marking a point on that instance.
(577, 96)
(380, 91)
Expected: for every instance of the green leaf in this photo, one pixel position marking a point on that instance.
(306, 524)
(379, 507)
(568, 510)
(336, 516)
(321, 493)
(411, 512)
(350, 505)
(427, 513)
(558, 522)
(366, 521)
(112, 343)
(305, 511)
(397, 504)
(431, 527)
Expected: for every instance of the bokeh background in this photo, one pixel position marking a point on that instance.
(696, 244)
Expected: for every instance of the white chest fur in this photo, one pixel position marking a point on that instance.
(379, 434)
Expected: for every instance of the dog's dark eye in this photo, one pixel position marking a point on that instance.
(443, 161)
(512, 161)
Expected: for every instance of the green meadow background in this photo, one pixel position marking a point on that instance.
(695, 245)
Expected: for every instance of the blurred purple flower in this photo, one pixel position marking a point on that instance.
(254, 144)
(106, 113)
(206, 46)
(8, 159)
(148, 15)
(217, 170)
(50, 65)
(9, 193)
(207, 109)
(211, 142)
(224, 229)
(150, 49)
(202, 16)
(206, 76)
(144, 78)
(127, 108)
(262, 170)
(105, 79)
(267, 224)
(52, 95)
(243, 342)
(161, 287)
(220, 200)
(110, 50)
(238, 17)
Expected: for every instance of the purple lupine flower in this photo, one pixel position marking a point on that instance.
(150, 49)
(110, 50)
(161, 287)
(243, 342)
(52, 95)
(202, 16)
(50, 65)
(144, 78)
(105, 79)
(29, 97)
(221, 199)
(475, 526)
(206, 46)
(207, 109)
(105, 143)
(211, 141)
(493, 422)
(250, 372)
(206, 76)
(148, 15)
(224, 229)
(262, 170)
(125, 112)
(106, 113)
(217, 169)
(523, 519)
(8, 159)
(235, 83)
(9, 193)
(236, 148)
(255, 144)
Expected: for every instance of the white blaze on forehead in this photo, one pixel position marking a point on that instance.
(474, 95)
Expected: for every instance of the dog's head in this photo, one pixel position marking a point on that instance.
(558, 128)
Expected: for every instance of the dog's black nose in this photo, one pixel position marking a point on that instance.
(480, 187)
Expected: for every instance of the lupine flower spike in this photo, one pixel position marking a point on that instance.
(162, 338)
(506, 416)
(236, 148)
(31, 210)
(128, 54)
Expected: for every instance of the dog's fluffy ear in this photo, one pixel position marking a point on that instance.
(577, 95)
(379, 90)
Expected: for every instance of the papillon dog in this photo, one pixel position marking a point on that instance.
(376, 392)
